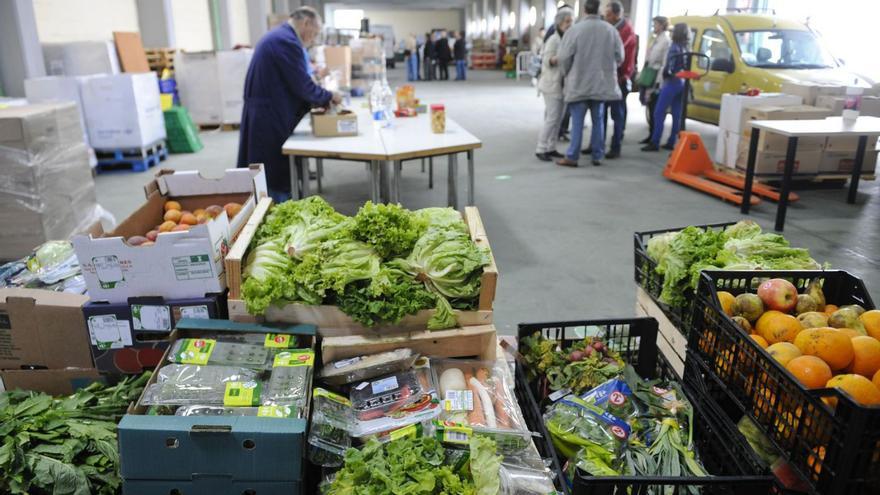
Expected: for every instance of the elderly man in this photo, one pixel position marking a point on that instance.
(278, 93)
(614, 15)
(590, 53)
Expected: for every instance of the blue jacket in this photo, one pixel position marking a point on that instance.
(675, 61)
(278, 93)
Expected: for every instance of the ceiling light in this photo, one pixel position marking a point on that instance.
(533, 15)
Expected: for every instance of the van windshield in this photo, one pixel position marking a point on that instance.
(784, 49)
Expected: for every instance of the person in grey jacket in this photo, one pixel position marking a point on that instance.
(589, 55)
(550, 86)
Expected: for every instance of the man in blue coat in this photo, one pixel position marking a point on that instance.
(278, 93)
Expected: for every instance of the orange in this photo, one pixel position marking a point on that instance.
(876, 379)
(726, 300)
(858, 387)
(783, 352)
(833, 347)
(811, 371)
(776, 326)
(760, 340)
(830, 309)
(173, 216)
(172, 205)
(849, 332)
(871, 320)
(866, 356)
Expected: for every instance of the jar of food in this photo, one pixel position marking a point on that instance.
(438, 119)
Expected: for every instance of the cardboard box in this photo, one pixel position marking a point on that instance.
(123, 111)
(344, 123)
(180, 264)
(131, 337)
(43, 329)
(162, 448)
(870, 105)
(842, 161)
(769, 141)
(211, 486)
(773, 163)
(211, 84)
(57, 89)
(726, 148)
(732, 106)
(130, 48)
(52, 382)
(80, 58)
(338, 58)
(809, 92)
(37, 129)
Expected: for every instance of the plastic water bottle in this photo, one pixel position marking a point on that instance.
(376, 101)
(387, 102)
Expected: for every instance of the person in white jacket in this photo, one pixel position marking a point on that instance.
(655, 58)
(550, 85)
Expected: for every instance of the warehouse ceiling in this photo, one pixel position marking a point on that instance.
(405, 4)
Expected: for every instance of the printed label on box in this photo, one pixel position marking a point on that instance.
(196, 351)
(242, 394)
(384, 385)
(199, 312)
(346, 126)
(109, 271)
(144, 317)
(277, 341)
(295, 358)
(410, 431)
(107, 332)
(459, 400)
(456, 434)
(194, 267)
(275, 412)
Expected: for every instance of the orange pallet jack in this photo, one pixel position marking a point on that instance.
(690, 164)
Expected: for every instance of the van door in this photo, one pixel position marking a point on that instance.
(708, 89)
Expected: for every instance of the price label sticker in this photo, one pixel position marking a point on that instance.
(459, 400)
(242, 394)
(274, 412)
(288, 359)
(278, 341)
(196, 351)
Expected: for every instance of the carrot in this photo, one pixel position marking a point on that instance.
(475, 417)
(501, 415)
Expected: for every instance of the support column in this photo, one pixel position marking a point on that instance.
(21, 56)
(221, 24)
(257, 13)
(539, 18)
(156, 23)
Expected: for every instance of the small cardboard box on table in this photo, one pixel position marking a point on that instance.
(214, 454)
(46, 187)
(44, 344)
(180, 264)
(334, 124)
(123, 111)
(211, 84)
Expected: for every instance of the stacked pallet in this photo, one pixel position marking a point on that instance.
(160, 58)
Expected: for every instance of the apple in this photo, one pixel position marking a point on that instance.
(778, 294)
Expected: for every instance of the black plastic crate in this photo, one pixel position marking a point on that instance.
(743, 378)
(737, 470)
(647, 278)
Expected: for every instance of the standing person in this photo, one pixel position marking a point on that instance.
(550, 86)
(278, 93)
(410, 53)
(459, 51)
(614, 15)
(429, 57)
(589, 55)
(444, 55)
(671, 91)
(654, 59)
(538, 44)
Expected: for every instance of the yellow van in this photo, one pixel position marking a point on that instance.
(756, 51)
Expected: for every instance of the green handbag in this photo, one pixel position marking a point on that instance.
(647, 77)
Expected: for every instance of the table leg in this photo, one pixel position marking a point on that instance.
(470, 159)
(857, 170)
(750, 172)
(384, 178)
(395, 184)
(375, 177)
(304, 177)
(423, 165)
(319, 165)
(786, 183)
(452, 181)
(294, 178)
(431, 173)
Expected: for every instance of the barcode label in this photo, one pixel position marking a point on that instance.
(555, 396)
(456, 437)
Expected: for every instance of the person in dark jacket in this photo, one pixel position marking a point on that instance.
(278, 93)
(614, 15)
(444, 55)
(671, 91)
(429, 56)
(459, 51)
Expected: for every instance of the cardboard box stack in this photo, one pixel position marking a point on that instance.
(367, 62)
(123, 111)
(337, 59)
(46, 186)
(730, 122)
(44, 344)
(80, 58)
(211, 84)
(772, 147)
(54, 89)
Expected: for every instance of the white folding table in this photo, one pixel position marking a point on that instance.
(863, 127)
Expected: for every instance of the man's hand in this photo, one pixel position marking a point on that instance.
(336, 99)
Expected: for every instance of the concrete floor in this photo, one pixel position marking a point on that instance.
(562, 238)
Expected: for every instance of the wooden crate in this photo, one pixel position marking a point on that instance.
(479, 341)
(329, 319)
(671, 342)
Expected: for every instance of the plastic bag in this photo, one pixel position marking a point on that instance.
(291, 378)
(385, 395)
(261, 411)
(366, 367)
(204, 351)
(518, 480)
(574, 424)
(328, 433)
(193, 385)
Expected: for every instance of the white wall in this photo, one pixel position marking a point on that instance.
(416, 21)
(83, 20)
(238, 13)
(192, 25)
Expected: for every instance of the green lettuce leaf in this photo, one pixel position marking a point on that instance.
(387, 298)
(485, 466)
(441, 218)
(391, 229)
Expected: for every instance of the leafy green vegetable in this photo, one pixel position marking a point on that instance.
(268, 277)
(391, 229)
(441, 218)
(65, 445)
(485, 466)
(546, 359)
(289, 213)
(390, 296)
(302, 237)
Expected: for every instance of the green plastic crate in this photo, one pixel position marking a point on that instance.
(182, 134)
